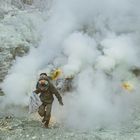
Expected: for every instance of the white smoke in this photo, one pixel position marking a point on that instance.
(81, 51)
(100, 42)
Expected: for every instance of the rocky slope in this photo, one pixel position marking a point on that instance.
(19, 31)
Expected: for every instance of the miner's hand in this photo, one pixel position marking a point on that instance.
(61, 103)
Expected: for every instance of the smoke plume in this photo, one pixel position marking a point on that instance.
(97, 42)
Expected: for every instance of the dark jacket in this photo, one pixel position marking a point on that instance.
(46, 95)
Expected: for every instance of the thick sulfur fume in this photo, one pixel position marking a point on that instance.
(97, 43)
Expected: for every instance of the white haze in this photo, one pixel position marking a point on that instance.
(100, 41)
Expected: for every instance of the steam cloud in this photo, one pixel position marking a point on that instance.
(98, 42)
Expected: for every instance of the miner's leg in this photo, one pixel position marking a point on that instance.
(41, 110)
(47, 115)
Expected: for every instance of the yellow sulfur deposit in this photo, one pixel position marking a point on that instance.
(55, 74)
(127, 86)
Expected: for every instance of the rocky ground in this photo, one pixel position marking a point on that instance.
(29, 127)
(25, 129)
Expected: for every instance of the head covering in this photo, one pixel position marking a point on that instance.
(43, 76)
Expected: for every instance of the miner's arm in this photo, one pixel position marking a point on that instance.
(56, 93)
(37, 91)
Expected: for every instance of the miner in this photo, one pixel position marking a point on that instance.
(47, 90)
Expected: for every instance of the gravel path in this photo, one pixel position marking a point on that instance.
(14, 128)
